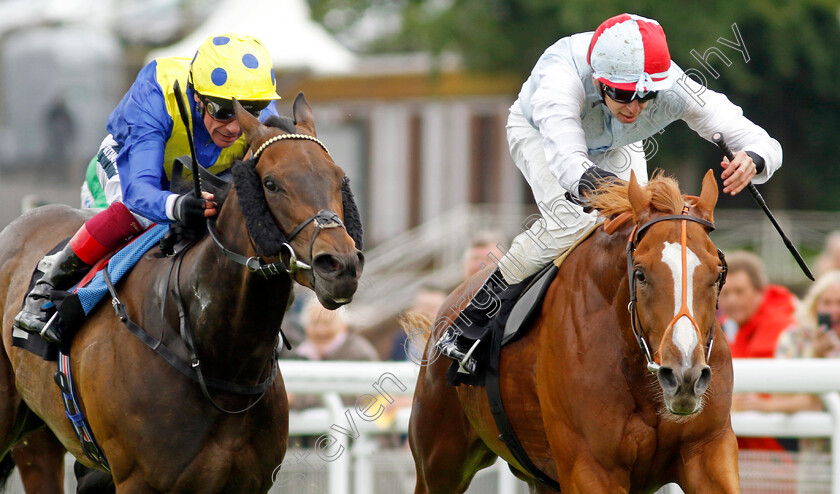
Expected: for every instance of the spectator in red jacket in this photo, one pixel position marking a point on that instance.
(761, 312)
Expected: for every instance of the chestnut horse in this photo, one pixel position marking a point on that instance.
(158, 430)
(576, 385)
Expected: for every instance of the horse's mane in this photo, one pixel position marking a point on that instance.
(664, 193)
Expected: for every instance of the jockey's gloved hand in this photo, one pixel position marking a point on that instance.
(589, 182)
(189, 210)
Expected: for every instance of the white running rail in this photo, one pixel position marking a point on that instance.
(375, 379)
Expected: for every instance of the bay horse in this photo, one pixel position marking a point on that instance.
(158, 430)
(577, 387)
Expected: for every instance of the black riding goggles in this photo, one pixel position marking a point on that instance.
(222, 109)
(625, 96)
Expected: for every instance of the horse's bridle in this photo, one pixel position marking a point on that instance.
(635, 322)
(323, 219)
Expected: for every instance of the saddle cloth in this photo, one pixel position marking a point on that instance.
(90, 290)
(519, 304)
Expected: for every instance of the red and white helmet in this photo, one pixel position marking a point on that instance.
(629, 52)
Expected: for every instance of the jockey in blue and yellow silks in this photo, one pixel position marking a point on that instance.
(133, 167)
(147, 112)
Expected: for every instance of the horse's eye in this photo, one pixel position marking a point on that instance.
(640, 275)
(270, 185)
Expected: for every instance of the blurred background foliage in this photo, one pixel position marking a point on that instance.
(789, 86)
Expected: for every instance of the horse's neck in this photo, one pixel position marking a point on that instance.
(606, 265)
(235, 314)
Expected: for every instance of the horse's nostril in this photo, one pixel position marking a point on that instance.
(338, 265)
(326, 264)
(703, 381)
(667, 379)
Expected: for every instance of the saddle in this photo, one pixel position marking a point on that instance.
(520, 303)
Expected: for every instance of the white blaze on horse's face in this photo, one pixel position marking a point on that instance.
(684, 333)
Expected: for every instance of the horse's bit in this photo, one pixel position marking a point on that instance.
(635, 321)
(323, 219)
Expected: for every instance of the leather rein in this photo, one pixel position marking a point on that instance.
(632, 307)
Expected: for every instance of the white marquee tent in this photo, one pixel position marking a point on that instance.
(294, 40)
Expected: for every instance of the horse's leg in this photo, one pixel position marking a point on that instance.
(534, 486)
(714, 469)
(591, 478)
(586, 474)
(447, 452)
(135, 485)
(39, 457)
(92, 481)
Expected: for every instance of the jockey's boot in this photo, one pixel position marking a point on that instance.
(459, 343)
(61, 270)
(456, 346)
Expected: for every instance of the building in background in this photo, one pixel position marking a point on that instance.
(58, 86)
(415, 139)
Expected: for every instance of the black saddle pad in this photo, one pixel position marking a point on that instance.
(519, 304)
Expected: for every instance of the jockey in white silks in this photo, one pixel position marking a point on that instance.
(580, 119)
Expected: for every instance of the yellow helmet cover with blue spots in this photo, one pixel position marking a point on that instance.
(231, 66)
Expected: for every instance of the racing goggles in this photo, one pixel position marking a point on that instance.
(222, 110)
(625, 96)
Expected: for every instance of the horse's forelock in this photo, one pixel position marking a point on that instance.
(665, 196)
(282, 122)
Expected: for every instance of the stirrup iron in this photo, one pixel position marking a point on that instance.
(467, 364)
(46, 334)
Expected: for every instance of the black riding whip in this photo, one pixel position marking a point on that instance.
(717, 138)
(182, 109)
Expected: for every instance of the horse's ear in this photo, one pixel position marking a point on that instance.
(708, 194)
(255, 132)
(638, 196)
(303, 114)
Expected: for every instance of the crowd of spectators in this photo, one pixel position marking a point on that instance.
(762, 320)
